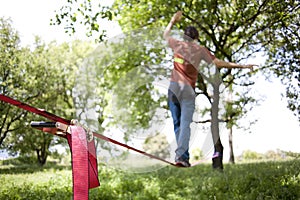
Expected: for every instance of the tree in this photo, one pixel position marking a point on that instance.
(233, 30)
(11, 83)
(233, 110)
(60, 62)
(43, 77)
(217, 33)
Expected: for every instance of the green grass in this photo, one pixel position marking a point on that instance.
(263, 180)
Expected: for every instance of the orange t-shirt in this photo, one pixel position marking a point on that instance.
(187, 57)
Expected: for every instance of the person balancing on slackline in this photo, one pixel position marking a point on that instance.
(181, 92)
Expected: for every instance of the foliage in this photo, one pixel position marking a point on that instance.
(121, 76)
(44, 77)
(264, 180)
(10, 75)
(271, 155)
(52, 70)
(197, 155)
(284, 55)
(157, 145)
(291, 154)
(251, 155)
(76, 13)
(234, 31)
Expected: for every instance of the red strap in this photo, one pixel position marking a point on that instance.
(92, 161)
(93, 165)
(78, 145)
(131, 148)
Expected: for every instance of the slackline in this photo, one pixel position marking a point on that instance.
(53, 117)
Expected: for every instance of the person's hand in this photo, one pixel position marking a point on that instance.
(177, 16)
(251, 66)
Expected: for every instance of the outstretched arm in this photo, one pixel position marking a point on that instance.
(223, 64)
(176, 17)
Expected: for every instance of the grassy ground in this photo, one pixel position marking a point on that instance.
(263, 180)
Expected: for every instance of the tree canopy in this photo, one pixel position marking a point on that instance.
(233, 30)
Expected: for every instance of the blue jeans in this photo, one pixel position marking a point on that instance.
(181, 101)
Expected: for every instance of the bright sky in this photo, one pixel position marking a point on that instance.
(277, 127)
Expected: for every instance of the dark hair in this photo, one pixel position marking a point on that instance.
(191, 33)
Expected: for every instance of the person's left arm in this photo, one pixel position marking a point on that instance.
(223, 64)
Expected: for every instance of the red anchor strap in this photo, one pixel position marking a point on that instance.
(84, 163)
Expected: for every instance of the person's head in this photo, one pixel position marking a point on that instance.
(190, 33)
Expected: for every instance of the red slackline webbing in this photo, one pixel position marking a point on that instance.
(129, 147)
(37, 111)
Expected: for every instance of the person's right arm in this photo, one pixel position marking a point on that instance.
(176, 17)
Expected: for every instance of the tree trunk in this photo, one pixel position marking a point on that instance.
(217, 160)
(42, 157)
(231, 155)
(42, 153)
